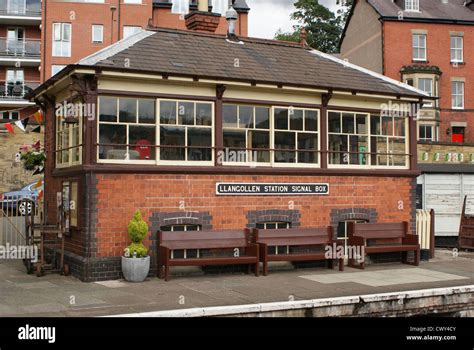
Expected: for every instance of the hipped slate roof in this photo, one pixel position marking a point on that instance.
(190, 54)
(454, 10)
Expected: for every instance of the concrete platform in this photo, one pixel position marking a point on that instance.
(55, 295)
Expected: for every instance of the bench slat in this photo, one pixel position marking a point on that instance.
(205, 244)
(293, 241)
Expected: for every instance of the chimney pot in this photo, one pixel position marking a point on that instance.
(303, 35)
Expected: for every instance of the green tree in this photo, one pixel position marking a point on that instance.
(323, 26)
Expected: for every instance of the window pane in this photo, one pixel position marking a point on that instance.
(203, 114)
(108, 109)
(234, 140)
(199, 137)
(338, 147)
(143, 137)
(311, 121)
(172, 136)
(307, 142)
(127, 110)
(281, 119)
(229, 116)
(112, 134)
(146, 111)
(262, 117)
(387, 126)
(285, 140)
(259, 139)
(361, 124)
(347, 123)
(185, 113)
(399, 126)
(397, 146)
(168, 112)
(375, 125)
(334, 122)
(296, 120)
(245, 117)
(359, 145)
(379, 148)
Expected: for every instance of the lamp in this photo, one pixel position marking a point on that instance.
(69, 113)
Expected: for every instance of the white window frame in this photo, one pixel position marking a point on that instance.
(180, 6)
(61, 44)
(430, 91)
(433, 130)
(132, 2)
(416, 48)
(412, 5)
(67, 131)
(369, 135)
(157, 125)
(456, 94)
(455, 50)
(100, 34)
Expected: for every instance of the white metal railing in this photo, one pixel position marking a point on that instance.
(425, 229)
(20, 47)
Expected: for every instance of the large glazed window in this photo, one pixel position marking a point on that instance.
(363, 140)
(68, 141)
(151, 131)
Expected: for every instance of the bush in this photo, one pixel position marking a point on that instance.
(137, 230)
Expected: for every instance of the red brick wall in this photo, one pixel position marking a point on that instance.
(118, 196)
(398, 52)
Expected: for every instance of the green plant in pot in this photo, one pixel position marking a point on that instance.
(136, 262)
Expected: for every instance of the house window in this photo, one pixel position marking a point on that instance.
(458, 134)
(183, 253)
(412, 5)
(130, 30)
(15, 43)
(62, 39)
(426, 132)
(246, 128)
(275, 225)
(180, 6)
(295, 136)
(457, 55)
(388, 141)
(15, 83)
(426, 85)
(68, 141)
(220, 6)
(10, 115)
(56, 68)
(97, 33)
(419, 47)
(348, 138)
(409, 82)
(457, 94)
(129, 131)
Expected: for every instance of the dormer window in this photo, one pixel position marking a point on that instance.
(412, 5)
(180, 6)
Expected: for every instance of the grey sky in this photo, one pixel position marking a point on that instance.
(267, 16)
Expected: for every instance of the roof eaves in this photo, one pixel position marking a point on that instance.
(371, 73)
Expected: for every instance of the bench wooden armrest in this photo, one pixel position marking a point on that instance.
(410, 239)
(253, 249)
(357, 241)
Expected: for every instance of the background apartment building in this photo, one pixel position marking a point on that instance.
(429, 45)
(75, 29)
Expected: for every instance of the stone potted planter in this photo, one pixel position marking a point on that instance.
(136, 262)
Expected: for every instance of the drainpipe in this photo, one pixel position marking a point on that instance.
(118, 21)
(43, 44)
(112, 10)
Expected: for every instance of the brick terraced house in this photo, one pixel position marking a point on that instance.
(427, 44)
(208, 131)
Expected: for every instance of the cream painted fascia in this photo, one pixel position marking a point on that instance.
(275, 95)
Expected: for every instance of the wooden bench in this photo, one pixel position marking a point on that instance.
(295, 238)
(383, 238)
(243, 252)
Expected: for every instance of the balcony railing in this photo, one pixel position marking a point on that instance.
(16, 90)
(27, 8)
(20, 47)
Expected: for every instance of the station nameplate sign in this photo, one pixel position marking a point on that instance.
(270, 189)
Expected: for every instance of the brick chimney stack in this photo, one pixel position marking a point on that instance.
(202, 20)
(303, 36)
